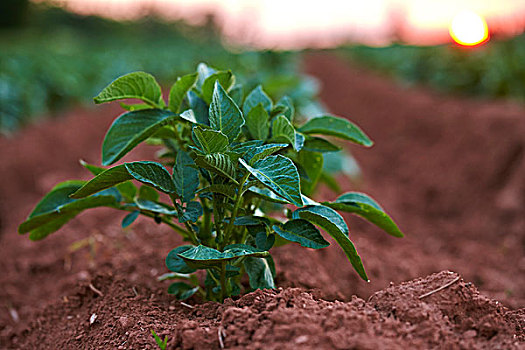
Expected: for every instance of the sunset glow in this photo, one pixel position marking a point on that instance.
(469, 29)
(290, 24)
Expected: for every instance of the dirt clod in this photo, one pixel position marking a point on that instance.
(394, 318)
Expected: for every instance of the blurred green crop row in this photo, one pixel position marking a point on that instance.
(60, 58)
(495, 69)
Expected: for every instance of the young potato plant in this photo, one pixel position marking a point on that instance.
(228, 162)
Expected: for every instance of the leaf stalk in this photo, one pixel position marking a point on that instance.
(229, 228)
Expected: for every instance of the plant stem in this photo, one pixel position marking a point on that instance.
(217, 219)
(177, 136)
(165, 220)
(243, 238)
(154, 104)
(176, 227)
(190, 232)
(229, 228)
(223, 281)
(193, 235)
(207, 219)
(213, 277)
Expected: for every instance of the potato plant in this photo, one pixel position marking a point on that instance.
(233, 180)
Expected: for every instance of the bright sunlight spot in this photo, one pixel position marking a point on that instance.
(469, 29)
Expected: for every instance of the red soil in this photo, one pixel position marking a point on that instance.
(450, 171)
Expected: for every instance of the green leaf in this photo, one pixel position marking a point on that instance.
(267, 195)
(93, 169)
(202, 257)
(317, 144)
(233, 251)
(302, 232)
(185, 177)
(237, 94)
(210, 141)
(299, 141)
(130, 129)
(255, 97)
(192, 212)
(161, 343)
(182, 290)
(280, 175)
(225, 78)
(204, 72)
(261, 152)
(285, 107)
(175, 263)
(153, 174)
(166, 132)
(255, 230)
(283, 130)
(126, 189)
(218, 163)
(188, 115)
(264, 241)
(179, 89)
(155, 207)
(51, 226)
(134, 107)
(224, 189)
(150, 173)
(130, 218)
(58, 196)
(257, 122)
(245, 147)
(199, 108)
(270, 196)
(57, 208)
(338, 127)
(251, 221)
(225, 116)
(173, 276)
(309, 201)
(364, 206)
(259, 273)
(148, 193)
(140, 85)
(106, 179)
(333, 223)
(312, 163)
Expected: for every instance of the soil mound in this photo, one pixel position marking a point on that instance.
(438, 311)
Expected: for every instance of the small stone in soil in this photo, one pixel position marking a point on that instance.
(14, 315)
(92, 319)
(301, 339)
(124, 321)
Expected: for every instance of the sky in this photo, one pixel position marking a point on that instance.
(300, 23)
